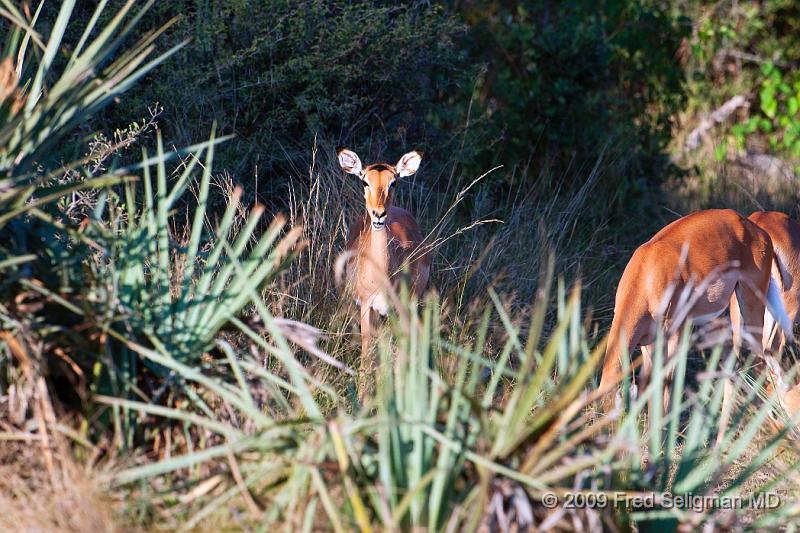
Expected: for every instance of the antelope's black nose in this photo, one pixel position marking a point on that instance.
(379, 215)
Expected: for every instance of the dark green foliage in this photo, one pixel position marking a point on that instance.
(548, 83)
(562, 79)
(777, 116)
(279, 74)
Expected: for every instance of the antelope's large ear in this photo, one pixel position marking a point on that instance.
(349, 161)
(408, 164)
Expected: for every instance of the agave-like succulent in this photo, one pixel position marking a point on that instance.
(43, 98)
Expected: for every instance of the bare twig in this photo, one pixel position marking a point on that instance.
(717, 117)
(255, 511)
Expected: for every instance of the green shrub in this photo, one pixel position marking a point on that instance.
(565, 79)
(778, 114)
(279, 74)
(750, 49)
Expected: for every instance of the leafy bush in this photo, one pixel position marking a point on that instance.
(749, 49)
(564, 79)
(778, 116)
(279, 74)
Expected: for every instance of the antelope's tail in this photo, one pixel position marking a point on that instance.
(777, 309)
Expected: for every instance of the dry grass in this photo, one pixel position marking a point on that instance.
(42, 488)
(481, 231)
(31, 501)
(733, 186)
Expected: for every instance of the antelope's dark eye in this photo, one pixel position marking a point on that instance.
(391, 184)
(365, 183)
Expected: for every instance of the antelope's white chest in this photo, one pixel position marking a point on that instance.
(373, 273)
(377, 302)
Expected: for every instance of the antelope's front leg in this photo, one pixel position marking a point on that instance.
(366, 331)
(366, 378)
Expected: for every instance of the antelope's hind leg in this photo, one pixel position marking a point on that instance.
(751, 322)
(645, 372)
(747, 325)
(646, 369)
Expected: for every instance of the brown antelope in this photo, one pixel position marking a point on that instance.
(382, 243)
(785, 235)
(688, 273)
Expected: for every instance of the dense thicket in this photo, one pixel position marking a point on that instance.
(529, 85)
(280, 74)
(475, 84)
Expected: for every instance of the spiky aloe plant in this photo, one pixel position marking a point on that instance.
(118, 270)
(692, 450)
(454, 448)
(179, 295)
(285, 426)
(43, 98)
(145, 289)
(483, 444)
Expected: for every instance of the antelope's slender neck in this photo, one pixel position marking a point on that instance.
(377, 247)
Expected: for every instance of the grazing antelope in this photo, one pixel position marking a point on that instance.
(689, 272)
(785, 235)
(383, 242)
